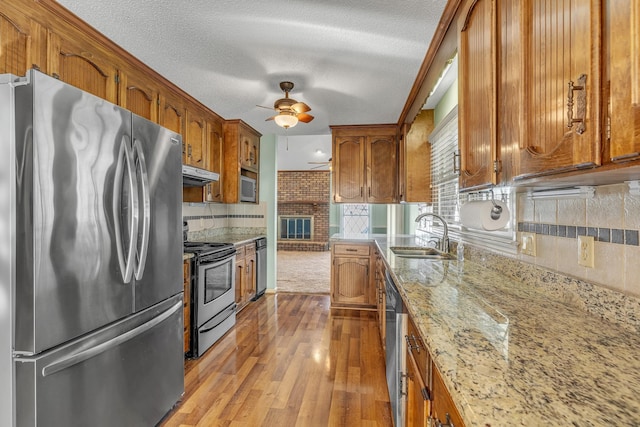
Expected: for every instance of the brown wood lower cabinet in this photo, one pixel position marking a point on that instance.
(418, 378)
(351, 279)
(428, 401)
(245, 274)
(381, 298)
(443, 409)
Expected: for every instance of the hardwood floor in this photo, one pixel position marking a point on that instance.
(289, 361)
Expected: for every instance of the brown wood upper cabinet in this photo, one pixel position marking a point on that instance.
(195, 138)
(624, 79)
(365, 166)
(139, 94)
(241, 158)
(215, 158)
(23, 44)
(414, 183)
(82, 64)
(477, 126)
(562, 86)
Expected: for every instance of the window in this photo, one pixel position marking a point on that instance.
(446, 195)
(355, 219)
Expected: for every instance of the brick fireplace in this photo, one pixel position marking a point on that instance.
(303, 194)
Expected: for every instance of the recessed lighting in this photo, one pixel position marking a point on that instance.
(319, 152)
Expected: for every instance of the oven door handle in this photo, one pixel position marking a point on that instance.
(230, 309)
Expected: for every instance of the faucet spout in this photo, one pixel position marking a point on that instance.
(444, 246)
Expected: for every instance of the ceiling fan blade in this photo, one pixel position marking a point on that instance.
(262, 106)
(321, 166)
(300, 107)
(319, 163)
(270, 118)
(305, 118)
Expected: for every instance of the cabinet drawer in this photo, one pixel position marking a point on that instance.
(418, 349)
(356, 250)
(240, 251)
(250, 249)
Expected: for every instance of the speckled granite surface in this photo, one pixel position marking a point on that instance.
(511, 354)
(237, 236)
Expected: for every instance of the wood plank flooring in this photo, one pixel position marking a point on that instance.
(289, 361)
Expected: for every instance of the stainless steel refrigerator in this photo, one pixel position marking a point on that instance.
(91, 329)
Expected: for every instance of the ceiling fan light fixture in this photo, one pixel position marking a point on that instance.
(286, 120)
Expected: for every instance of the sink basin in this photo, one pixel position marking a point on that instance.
(419, 252)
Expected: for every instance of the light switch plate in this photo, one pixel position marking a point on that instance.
(585, 251)
(528, 243)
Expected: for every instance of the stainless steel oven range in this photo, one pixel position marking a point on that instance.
(213, 306)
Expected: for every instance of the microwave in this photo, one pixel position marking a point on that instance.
(247, 189)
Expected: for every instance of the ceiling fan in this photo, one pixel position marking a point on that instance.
(321, 164)
(290, 111)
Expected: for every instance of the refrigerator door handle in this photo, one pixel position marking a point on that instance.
(141, 165)
(81, 356)
(125, 157)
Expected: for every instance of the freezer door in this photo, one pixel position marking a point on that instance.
(70, 245)
(128, 374)
(158, 160)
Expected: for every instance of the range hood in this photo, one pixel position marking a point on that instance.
(196, 177)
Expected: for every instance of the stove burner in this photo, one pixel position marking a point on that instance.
(206, 249)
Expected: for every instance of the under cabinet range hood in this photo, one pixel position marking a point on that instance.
(196, 177)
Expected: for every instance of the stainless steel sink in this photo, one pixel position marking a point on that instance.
(419, 252)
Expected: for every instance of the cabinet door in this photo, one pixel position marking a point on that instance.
(214, 159)
(562, 70)
(241, 278)
(196, 138)
(351, 280)
(418, 403)
(477, 100)
(16, 40)
(249, 149)
(624, 74)
(382, 169)
(348, 174)
(250, 283)
(172, 113)
(443, 408)
(82, 65)
(415, 160)
(139, 95)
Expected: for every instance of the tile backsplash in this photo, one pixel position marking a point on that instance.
(612, 217)
(210, 216)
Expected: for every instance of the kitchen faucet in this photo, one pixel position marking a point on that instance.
(444, 243)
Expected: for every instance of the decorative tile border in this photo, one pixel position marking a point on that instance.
(600, 234)
(224, 216)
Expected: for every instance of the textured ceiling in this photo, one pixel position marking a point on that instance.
(352, 61)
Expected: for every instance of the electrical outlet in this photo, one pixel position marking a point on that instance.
(585, 251)
(528, 244)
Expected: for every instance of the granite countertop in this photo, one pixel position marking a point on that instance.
(235, 238)
(511, 355)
